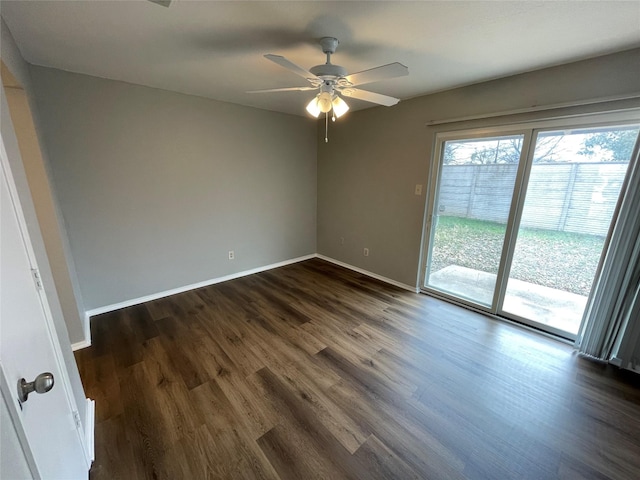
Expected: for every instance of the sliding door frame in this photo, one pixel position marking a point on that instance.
(434, 177)
(571, 118)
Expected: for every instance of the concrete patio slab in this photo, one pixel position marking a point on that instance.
(548, 306)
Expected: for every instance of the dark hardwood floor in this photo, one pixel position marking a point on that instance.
(313, 371)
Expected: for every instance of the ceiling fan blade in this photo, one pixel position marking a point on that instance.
(292, 67)
(379, 73)
(286, 89)
(370, 97)
(163, 3)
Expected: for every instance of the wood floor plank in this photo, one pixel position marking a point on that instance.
(316, 371)
(280, 359)
(300, 446)
(378, 461)
(234, 345)
(118, 460)
(350, 435)
(155, 392)
(258, 416)
(172, 338)
(100, 380)
(225, 445)
(392, 419)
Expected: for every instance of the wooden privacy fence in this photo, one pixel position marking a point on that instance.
(569, 197)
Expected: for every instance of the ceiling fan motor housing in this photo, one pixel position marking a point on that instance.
(329, 44)
(328, 70)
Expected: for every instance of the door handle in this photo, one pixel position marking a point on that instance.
(42, 384)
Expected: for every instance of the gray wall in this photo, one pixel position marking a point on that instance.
(368, 171)
(13, 60)
(53, 232)
(44, 200)
(156, 187)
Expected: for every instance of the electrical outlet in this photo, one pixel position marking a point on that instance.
(232, 255)
(418, 189)
(366, 252)
(341, 240)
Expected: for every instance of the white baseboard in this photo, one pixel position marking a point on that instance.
(89, 429)
(616, 361)
(87, 334)
(80, 345)
(206, 283)
(370, 274)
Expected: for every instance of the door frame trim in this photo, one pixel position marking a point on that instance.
(513, 220)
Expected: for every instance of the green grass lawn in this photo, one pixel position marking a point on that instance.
(566, 261)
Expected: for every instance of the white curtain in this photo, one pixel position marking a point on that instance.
(612, 320)
(628, 347)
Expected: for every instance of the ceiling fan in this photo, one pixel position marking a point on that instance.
(162, 3)
(332, 81)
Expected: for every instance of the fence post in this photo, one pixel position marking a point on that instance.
(472, 192)
(566, 204)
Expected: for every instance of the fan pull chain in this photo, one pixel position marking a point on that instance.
(326, 127)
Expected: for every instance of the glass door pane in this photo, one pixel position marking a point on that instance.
(473, 201)
(571, 195)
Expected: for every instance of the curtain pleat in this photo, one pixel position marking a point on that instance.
(611, 313)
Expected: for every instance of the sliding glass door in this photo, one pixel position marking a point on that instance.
(571, 195)
(475, 191)
(519, 221)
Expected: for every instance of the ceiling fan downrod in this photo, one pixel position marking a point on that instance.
(329, 45)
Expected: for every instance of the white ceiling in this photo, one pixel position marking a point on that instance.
(214, 49)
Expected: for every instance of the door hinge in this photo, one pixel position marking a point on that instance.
(36, 278)
(76, 419)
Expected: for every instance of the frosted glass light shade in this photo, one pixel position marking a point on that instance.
(324, 102)
(313, 107)
(340, 107)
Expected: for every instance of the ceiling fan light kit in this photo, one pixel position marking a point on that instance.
(340, 107)
(333, 80)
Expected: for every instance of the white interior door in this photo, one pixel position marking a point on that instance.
(51, 429)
